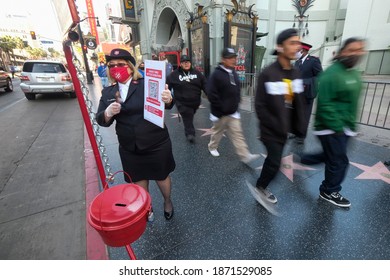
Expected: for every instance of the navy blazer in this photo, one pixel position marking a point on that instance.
(310, 69)
(132, 129)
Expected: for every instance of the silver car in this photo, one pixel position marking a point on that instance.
(45, 77)
(5, 80)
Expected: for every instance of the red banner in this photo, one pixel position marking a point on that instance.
(92, 20)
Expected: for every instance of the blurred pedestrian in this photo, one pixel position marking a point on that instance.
(187, 84)
(310, 67)
(102, 73)
(141, 68)
(223, 91)
(168, 65)
(279, 105)
(13, 70)
(145, 149)
(339, 88)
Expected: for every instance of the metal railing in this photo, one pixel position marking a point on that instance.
(248, 91)
(374, 103)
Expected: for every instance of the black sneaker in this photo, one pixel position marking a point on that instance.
(336, 198)
(190, 138)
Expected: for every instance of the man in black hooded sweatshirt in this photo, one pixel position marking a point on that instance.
(280, 107)
(187, 84)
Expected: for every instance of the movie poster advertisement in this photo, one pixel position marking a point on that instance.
(242, 42)
(197, 50)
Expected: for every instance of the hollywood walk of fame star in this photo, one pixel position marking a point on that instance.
(207, 131)
(174, 116)
(287, 167)
(377, 172)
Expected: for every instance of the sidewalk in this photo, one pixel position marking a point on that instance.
(217, 218)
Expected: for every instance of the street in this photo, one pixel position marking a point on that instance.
(42, 188)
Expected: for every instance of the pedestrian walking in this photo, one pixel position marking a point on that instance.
(168, 65)
(187, 84)
(223, 91)
(310, 67)
(102, 73)
(12, 69)
(279, 105)
(145, 149)
(141, 68)
(339, 88)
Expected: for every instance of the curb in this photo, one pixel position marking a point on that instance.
(96, 249)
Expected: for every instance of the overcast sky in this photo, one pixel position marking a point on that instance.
(40, 12)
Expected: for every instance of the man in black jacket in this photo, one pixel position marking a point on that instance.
(310, 67)
(280, 107)
(187, 84)
(223, 91)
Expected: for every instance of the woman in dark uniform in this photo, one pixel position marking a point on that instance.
(144, 148)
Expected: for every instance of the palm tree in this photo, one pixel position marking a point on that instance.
(9, 43)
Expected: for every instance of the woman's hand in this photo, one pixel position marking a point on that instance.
(166, 95)
(113, 109)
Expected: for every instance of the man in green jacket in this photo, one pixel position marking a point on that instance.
(339, 89)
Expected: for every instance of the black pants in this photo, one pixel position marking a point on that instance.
(308, 109)
(271, 164)
(336, 161)
(187, 113)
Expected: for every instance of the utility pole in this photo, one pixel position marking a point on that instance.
(87, 70)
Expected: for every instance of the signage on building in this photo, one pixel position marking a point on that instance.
(200, 49)
(90, 41)
(129, 11)
(242, 42)
(92, 20)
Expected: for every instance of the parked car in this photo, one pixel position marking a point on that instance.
(45, 77)
(5, 80)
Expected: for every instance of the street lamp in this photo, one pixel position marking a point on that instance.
(82, 43)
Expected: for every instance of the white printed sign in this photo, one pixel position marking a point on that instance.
(154, 86)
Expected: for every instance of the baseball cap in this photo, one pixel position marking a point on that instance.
(228, 53)
(283, 36)
(185, 58)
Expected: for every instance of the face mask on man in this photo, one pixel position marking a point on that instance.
(298, 55)
(349, 61)
(120, 74)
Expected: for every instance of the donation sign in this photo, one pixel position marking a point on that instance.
(154, 86)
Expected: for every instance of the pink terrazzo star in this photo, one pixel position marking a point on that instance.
(174, 116)
(207, 131)
(287, 166)
(377, 172)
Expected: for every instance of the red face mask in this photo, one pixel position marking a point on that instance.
(120, 74)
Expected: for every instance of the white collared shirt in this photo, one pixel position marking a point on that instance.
(303, 59)
(124, 89)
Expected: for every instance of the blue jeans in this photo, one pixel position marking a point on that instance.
(336, 161)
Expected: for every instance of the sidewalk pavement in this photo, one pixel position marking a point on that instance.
(43, 202)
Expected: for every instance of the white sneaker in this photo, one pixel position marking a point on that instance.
(250, 158)
(262, 199)
(214, 153)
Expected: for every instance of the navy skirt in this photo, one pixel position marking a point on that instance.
(154, 163)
